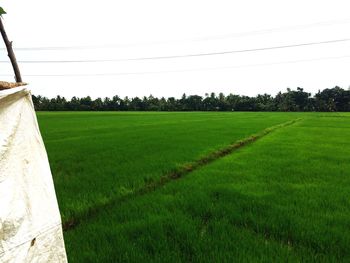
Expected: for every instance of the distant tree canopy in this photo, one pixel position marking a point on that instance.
(335, 99)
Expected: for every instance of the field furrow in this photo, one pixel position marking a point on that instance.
(284, 198)
(173, 175)
(100, 157)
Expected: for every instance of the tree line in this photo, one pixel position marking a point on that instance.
(334, 99)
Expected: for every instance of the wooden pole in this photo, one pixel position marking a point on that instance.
(10, 53)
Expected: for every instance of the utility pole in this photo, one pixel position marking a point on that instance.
(10, 52)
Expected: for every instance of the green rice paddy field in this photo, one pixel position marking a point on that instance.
(201, 186)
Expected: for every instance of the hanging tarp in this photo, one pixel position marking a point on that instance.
(30, 223)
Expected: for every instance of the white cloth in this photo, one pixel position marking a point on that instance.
(30, 222)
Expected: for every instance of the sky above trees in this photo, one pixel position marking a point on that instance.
(136, 29)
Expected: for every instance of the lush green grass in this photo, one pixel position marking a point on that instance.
(283, 198)
(99, 156)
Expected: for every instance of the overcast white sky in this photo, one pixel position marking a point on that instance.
(160, 28)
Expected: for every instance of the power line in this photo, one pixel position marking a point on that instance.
(274, 30)
(206, 38)
(184, 70)
(188, 55)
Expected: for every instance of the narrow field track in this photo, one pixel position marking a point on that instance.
(283, 198)
(175, 174)
(97, 157)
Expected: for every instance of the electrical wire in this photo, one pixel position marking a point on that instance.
(188, 55)
(184, 70)
(205, 38)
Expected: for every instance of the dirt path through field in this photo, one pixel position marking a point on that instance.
(175, 174)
